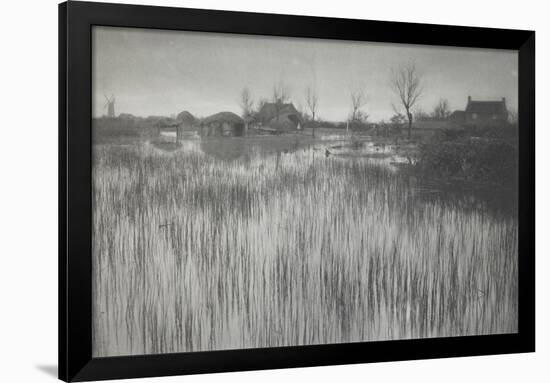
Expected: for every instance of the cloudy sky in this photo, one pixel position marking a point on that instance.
(154, 72)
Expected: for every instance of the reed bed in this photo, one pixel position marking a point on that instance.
(194, 253)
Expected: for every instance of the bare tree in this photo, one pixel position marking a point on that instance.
(247, 104)
(441, 110)
(358, 100)
(406, 82)
(312, 100)
(280, 97)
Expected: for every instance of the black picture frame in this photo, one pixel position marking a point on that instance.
(75, 230)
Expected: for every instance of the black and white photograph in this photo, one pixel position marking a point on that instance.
(290, 191)
(254, 191)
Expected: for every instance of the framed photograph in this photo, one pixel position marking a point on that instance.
(245, 191)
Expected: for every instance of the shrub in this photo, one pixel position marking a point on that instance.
(503, 132)
(480, 160)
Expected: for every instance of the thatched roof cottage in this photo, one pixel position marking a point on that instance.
(222, 124)
(280, 117)
(186, 119)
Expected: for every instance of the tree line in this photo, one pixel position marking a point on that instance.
(406, 83)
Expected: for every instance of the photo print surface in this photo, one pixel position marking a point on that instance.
(253, 191)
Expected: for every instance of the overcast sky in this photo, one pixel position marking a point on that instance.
(155, 72)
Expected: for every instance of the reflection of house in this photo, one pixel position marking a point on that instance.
(280, 117)
(222, 124)
(485, 113)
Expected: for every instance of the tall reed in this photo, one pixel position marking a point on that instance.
(194, 253)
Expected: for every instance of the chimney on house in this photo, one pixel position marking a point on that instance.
(469, 99)
(504, 100)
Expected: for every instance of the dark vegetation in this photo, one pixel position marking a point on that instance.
(478, 154)
(107, 129)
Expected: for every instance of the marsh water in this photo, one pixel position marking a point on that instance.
(248, 242)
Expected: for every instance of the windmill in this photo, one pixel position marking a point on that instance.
(110, 105)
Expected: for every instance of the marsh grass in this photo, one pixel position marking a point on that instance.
(194, 253)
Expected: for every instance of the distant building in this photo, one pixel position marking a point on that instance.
(110, 105)
(222, 124)
(165, 125)
(280, 117)
(186, 119)
(486, 113)
(126, 116)
(458, 117)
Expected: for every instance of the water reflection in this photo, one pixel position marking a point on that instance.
(466, 196)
